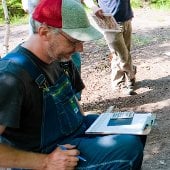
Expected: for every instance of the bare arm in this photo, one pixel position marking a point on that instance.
(96, 10)
(58, 159)
(29, 5)
(11, 157)
(89, 3)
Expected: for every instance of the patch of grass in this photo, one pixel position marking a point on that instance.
(16, 20)
(19, 20)
(161, 7)
(160, 4)
(136, 3)
(138, 41)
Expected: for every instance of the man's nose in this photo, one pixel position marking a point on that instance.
(79, 47)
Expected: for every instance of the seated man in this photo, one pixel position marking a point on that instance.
(28, 6)
(39, 114)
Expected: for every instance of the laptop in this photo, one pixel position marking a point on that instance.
(122, 123)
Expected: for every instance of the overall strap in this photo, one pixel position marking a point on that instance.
(26, 63)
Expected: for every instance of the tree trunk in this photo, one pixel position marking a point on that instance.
(7, 23)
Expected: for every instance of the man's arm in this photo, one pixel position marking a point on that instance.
(29, 5)
(58, 159)
(96, 10)
(11, 157)
(89, 3)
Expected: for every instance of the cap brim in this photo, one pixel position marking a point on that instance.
(84, 34)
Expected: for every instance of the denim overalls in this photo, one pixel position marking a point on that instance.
(62, 117)
(61, 113)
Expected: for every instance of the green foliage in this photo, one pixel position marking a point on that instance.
(20, 20)
(152, 3)
(14, 8)
(160, 3)
(136, 3)
(138, 41)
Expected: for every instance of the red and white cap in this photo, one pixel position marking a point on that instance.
(69, 16)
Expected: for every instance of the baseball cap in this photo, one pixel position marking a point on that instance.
(69, 16)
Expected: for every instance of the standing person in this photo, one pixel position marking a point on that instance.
(41, 122)
(123, 70)
(29, 6)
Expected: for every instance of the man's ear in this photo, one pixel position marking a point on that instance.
(43, 33)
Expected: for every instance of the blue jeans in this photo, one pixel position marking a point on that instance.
(108, 152)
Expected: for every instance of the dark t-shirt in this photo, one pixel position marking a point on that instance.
(121, 9)
(21, 100)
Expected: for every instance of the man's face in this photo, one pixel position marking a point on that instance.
(61, 46)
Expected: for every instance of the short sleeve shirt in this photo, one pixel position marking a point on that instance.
(21, 100)
(121, 9)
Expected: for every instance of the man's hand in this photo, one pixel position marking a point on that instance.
(96, 10)
(62, 159)
(99, 13)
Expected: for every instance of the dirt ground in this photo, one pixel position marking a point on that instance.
(151, 55)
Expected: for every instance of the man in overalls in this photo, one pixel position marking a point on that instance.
(41, 123)
(29, 6)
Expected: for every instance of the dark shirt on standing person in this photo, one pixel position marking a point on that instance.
(121, 9)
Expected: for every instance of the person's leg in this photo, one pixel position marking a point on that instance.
(117, 74)
(117, 152)
(127, 34)
(119, 54)
(117, 45)
(121, 65)
(113, 152)
(89, 119)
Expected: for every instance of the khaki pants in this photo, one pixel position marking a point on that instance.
(119, 45)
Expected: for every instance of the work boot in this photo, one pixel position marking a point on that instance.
(131, 83)
(130, 90)
(131, 87)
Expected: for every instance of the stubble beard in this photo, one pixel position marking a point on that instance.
(54, 57)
